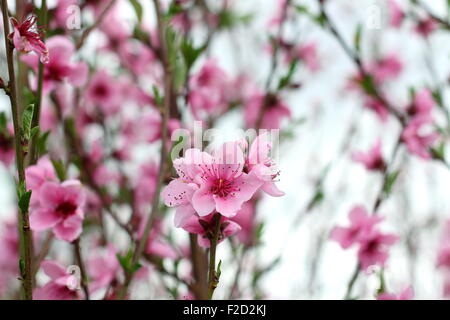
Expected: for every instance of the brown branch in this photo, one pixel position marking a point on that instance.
(213, 279)
(79, 260)
(99, 20)
(26, 241)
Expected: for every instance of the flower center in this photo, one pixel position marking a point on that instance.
(372, 246)
(100, 91)
(222, 188)
(66, 209)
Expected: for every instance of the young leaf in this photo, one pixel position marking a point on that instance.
(438, 152)
(42, 142)
(29, 97)
(358, 36)
(190, 53)
(3, 122)
(137, 9)
(34, 132)
(157, 96)
(24, 201)
(284, 81)
(60, 169)
(27, 117)
(389, 183)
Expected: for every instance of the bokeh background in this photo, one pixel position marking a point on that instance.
(331, 123)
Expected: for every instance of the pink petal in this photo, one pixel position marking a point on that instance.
(271, 189)
(69, 229)
(183, 214)
(53, 269)
(203, 201)
(51, 194)
(42, 219)
(78, 75)
(177, 193)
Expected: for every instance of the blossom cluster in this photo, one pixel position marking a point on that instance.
(363, 232)
(220, 183)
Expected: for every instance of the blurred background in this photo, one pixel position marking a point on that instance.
(328, 123)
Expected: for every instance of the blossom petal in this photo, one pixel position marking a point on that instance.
(203, 201)
(42, 219)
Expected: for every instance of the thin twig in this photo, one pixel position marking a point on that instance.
(37, 107)
(213, 278)
(97, 22)
(26, 241)
(79, 260)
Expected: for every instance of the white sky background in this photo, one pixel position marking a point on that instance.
(421, 192)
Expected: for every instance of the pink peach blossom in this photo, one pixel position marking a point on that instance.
(262, 166)
(103, 269)
(26, 38)
(308, 54)
(360, 222)
(425, 27)
(60, 67)
(245, 218)
(60, 208)
(62, 285)
(416, 141)
(204, 227)
(372, 160)
(423, 103)
(373, 248)
(396, 14)
(103, 91)
(275, 110)
(386, 68)
(36, 175)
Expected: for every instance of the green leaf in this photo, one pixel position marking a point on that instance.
(137, 9)
(60, 169)
(179, 76)
(358, 36)
(126, 262)
(390, 181)
(318, 198)
(259, 231)
(157, 96)
(3, 122)
(437, 96)
(219, 272)
(438, 152)
(174, 9)
(301, 9)
(173, 43)
(284, 81)
(20, 189)
(190, 53)
(229, 19)
(29, 97)
(368, 85)
(22, 267)
(321, 19)
(35, 132)
(27, 118)
(42, 142)
(382, 288)
(24, 201)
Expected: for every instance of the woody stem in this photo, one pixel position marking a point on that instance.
(24, 223)
(213, 279)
